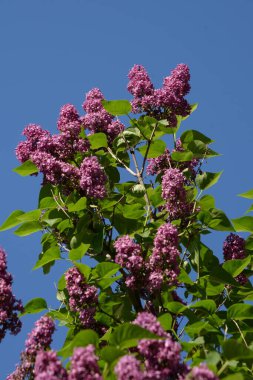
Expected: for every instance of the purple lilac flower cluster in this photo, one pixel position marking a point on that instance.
(201, 373)
(174, 193)
(163, 261)
(50, 152)
(97, 119)
(161, 163)
(9, 305)
(129, 256)
(160, 266)
(166, 102)
(234, 248)
(38, 340)
(84, 364)
(92, 178)
(161, 357)
(53, 155)
(83, 298)
(48, 367)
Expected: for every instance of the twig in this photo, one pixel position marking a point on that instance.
(121, 162)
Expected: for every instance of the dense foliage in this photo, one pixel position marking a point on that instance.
(158, 303)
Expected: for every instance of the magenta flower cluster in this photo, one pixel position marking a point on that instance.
(129, 256)
(83, 365)
(234, 248)
(161, 163)
(38, 340)
(93, 178)
(161, 357)
(163, 261)
(53, 155)
(48, 367)
(97, 119)
(9, 305)
(83, 298)
(174, 193)
(166, 102)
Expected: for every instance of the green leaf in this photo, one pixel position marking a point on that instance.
(219, 221)
(77, 253)
(35, 305)
(84, 269)
(117, 107)
(243, 224)
(78, 206)
(12, 220)
(128, 335)
(207, 202)
(47, 202)
(235, 376)
(208, 305)
(240, 311)
(106, 269)
(206, 179)
(201, 150)
(233, 349)
(182, 156)
(81, 339)
(235, 267)
(192, 135)
(109, 354)
(248, 194)
(98, 140)
(51, 254)
(165, 321)
(28, 228)
(156, 149)
(27, 168)
(29, 216)
(133, 211)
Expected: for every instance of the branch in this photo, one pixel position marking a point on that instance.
(121, 162)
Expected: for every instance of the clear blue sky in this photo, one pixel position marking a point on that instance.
(54, 51)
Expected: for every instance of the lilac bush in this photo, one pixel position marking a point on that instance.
(122, 202)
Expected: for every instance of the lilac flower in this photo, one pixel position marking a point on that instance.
(139, 82)
(48, 367)
(114, 129)
(149, 322)
(234, 248)
(164, 257)
(128, 253)
(9, 305)
(97, 119)
(175, 87)
(161, 357)
(55, 171)
(84, 364)
(93, 178)
(128, 368)
(159, 164)
(39, 339)
(69, 120)
(201, 373)
(174, 193)
(34, 133)
(82, 297)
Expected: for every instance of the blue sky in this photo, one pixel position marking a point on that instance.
(54, 51)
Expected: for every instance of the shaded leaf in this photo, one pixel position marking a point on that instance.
(206, 179)
(51, 254)
(35, 305)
